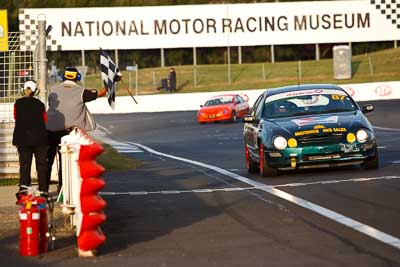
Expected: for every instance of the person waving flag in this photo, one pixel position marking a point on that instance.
(110, 75)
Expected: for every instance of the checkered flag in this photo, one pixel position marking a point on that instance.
(110, 75)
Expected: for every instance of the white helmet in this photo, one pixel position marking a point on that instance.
(32, 85)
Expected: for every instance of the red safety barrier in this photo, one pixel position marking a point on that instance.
(90, 235)
(81, 185)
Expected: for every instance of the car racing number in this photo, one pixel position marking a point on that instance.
(338, 97)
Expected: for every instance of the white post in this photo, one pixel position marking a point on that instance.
(272, 54)
(194, 56)
(42, 82)
(154, 80)
(194, 67)
(229, 65)
(240, 54)
(317, 52)
(194, 76)
(116, 57)
(162, 58)
(83, 57)
(136, 80)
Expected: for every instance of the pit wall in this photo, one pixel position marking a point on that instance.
(192, 101)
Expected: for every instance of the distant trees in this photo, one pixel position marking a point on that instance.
(182, 56)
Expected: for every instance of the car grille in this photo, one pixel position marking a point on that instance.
(321, 157)
(317, 140)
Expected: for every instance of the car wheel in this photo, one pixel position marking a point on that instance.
(373, 163)
(265, 169)
(233, 116)
(250, 164)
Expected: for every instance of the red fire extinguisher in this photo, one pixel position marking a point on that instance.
(41, 201)
(33, 226)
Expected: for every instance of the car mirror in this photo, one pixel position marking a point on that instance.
(249, 119)
(367, 108)
(201, 106)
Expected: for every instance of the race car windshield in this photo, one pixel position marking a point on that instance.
(303, 103)
(219, 101)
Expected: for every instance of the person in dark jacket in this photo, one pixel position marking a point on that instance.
(172, 80)
(30, 137)
(67, 110)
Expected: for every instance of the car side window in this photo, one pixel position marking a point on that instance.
(237, 100)
(255, 106)
(259, 110)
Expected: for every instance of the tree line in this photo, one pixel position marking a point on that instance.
(147, 58)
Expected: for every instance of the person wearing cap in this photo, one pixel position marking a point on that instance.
(30, 137)
(67, 110)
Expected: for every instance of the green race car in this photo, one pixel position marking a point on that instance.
(308, 126)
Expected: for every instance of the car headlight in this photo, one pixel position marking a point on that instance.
(362, 136)
(292, 143)
(351, 138)
(280, 142)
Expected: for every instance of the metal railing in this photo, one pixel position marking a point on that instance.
(16, 67)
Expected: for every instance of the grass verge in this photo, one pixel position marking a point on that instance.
(111, 160)
(378, 66)
(9, 181)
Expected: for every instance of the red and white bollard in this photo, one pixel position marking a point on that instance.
(82, 182)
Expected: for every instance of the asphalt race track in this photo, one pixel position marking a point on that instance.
(192, 202)
(176, 213)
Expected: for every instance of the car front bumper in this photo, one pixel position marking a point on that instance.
(213, 117)
(321, 155)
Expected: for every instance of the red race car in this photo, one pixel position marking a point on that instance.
(227, 107)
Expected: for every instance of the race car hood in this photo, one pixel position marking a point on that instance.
(340, 122)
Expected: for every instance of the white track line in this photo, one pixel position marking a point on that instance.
(386, 129)
(234, 189)
(339, 181)
(358, 226)
(104, 129)
(100, 134)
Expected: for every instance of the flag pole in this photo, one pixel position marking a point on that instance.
(129, 91)
(106, 64)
